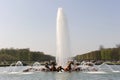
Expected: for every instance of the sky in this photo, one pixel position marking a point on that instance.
(32, 24)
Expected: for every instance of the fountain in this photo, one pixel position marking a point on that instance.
(36, 66)
(19, 63)
(63, 46)
(105, 67)
(14, 68)
(63, 55)
(18, 67)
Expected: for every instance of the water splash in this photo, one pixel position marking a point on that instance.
(19, 63)
(63, 45)
(105, 67)
(36, 65)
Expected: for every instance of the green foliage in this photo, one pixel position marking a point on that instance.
(6, 57)
(23, 55)
(102, 54)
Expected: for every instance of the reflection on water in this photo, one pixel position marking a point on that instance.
(59, 76)
(63, 76)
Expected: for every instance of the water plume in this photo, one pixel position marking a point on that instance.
(63, 54)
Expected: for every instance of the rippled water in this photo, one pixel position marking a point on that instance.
(58, 75)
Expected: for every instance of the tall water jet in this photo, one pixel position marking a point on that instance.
(63, 54)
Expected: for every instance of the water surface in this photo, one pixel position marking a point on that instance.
(15, 73)
(59, 76)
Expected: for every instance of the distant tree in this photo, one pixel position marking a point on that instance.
(23, 55)
(102, 54)
(115, 54)
(5, 57)
(101, 47)
(117, 45)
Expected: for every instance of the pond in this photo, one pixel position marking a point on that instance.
(99, 75)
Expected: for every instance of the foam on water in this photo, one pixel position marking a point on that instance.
(97, 72)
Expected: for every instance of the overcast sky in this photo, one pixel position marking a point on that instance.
(32, 24)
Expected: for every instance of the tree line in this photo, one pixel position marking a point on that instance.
(12, 54)
(105, 54)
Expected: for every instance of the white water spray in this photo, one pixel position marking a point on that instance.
(63, 46)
